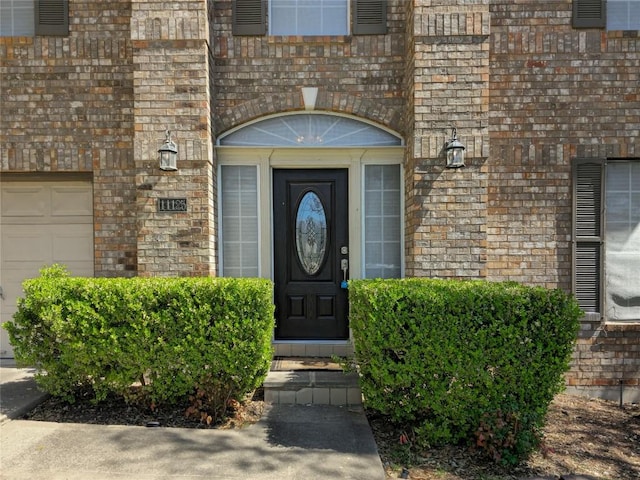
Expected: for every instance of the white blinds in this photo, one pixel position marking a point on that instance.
(622, 240)
(382, 221)
(308, 17)
(239, 222)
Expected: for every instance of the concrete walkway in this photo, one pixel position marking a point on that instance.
(290, 442)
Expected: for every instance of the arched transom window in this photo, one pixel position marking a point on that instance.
(309, 130)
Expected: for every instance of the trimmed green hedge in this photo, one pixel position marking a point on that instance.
(463, 361)
(168, 335)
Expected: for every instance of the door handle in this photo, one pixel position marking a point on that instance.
(1, 293)
(344, 266)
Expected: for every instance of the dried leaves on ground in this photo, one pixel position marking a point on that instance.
(115, 411)
(582, 437)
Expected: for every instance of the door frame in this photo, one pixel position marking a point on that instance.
(266, 159)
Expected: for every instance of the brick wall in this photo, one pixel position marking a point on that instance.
(557, 93)
(262, 75)
(606, 361)
(67, 107)
(171, 91)
(448, 70)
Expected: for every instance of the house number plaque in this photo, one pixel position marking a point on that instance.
(172, 204)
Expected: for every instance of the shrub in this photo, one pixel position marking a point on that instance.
(168, 335)
(463, 361)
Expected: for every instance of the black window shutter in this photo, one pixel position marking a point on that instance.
(589, 13)
(588, 176)
(249, 17)
(369, 17)
(52, 17)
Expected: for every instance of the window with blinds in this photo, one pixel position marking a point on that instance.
(609, 14)
(310, 17)
(622, 240)
(606, 237)
(382, 221)
(623, 14)
(239, 221)
(26, 18)
(16, 18)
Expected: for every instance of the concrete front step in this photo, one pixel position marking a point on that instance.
(302, 387)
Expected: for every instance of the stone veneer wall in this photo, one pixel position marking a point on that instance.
(557, 93)
(67, 106)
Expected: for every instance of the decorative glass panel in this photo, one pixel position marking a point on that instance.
(311, 233)
(382, 235)
(310, 130)
(239, 223)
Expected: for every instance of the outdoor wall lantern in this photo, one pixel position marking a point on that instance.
(455, 151)
(168, 154)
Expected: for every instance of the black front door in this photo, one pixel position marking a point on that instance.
(310, 253)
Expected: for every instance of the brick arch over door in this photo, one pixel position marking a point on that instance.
(326, 101)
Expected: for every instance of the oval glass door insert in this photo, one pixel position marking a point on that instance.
(311, 233)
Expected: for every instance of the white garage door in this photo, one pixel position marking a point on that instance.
(41, 223)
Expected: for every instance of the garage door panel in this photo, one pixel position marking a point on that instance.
(80, 269)
(12, 282)
(6, 351)
(25, 200)
(71, 201)
(71, 242)
(41, 223)
(25, 244)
